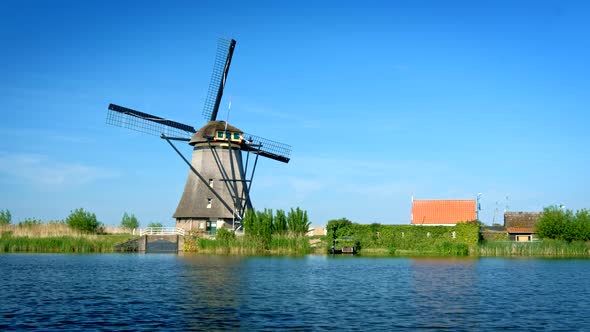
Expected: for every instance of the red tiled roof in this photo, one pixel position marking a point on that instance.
(425, 212)
(520, 230)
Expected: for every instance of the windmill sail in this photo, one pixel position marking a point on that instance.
(225, 50)
(267, 148)
(146, 123)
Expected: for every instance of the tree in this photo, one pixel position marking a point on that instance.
(583, 218)
(250, 222)
(280, 222)
(297, 221)
(129, 221)
(83, 221)
(265, 226)
(339, 227)
(259, 226)
(560, 224)
(5, 217)
(155, 224)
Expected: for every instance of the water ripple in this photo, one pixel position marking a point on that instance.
(168, 292)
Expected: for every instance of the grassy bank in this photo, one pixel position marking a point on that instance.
(243, 245)
(53, 238)
(63, 244)
(545, 248)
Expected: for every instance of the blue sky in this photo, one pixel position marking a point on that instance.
(379, 99)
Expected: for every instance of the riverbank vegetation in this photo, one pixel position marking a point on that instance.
(61, 244)
(561, 224)
(404, 240)
(81, 232)
(561, 232)
(265, 233)
(545, 248)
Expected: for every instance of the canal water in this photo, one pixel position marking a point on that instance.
(169, 292)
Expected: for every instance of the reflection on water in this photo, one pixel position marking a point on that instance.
(439, 291)
(147, 292)
(211, 287)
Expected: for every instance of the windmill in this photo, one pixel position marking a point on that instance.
(217, 190)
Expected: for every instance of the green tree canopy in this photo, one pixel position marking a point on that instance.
(83, 220)
(297, 221)
(155, 224)
(129, 221)
(339, 227)
(561, 224)
(280, 222)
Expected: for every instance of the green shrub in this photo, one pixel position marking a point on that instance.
(83, 221)
(391, 249)
(559, 224)
(225, 235)
(413, 238)
(453, 249)
(5, 217)
(155, 224)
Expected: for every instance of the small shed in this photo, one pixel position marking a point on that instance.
(521, 226)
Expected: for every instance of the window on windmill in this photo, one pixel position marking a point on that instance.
(236, 136)
(219, 134)
(209, 203)
(227, 135)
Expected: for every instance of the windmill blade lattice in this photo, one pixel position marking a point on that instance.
(225, 50)
(146, 123)
(267, 148)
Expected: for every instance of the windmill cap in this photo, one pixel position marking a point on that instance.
(210, 129)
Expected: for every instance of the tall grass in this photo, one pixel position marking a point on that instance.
(545, 248)
(62, 244)
(38, 230)
(243, 245)
(54, 237)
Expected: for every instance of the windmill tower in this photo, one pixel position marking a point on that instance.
(217, 190)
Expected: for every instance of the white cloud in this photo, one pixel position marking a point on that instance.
(40, 171)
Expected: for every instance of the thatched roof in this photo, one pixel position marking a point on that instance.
(209, 130)
(521, 219)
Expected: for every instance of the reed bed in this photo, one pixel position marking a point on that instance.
(278, 245)
(42, 230)
(545, 248)
(54, 237)
(62, 244)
